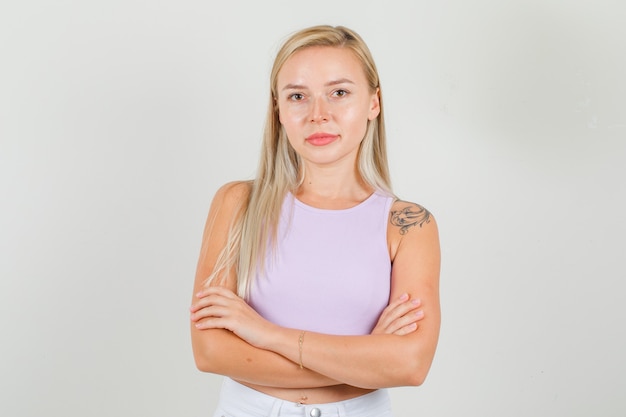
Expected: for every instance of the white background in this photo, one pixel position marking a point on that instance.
(119, 120)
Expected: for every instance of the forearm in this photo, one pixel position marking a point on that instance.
(371, 361)
(221, 352)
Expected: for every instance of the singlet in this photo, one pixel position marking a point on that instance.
(331, 270)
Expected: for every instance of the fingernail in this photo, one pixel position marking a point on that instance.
(419, 313)
(416, 301)
(404, 296)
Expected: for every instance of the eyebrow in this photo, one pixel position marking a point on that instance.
(328, 84)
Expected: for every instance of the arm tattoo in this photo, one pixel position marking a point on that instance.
(410, 216)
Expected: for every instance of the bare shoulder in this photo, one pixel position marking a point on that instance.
(226, 207)
(233, 192)
(227, 204)
(410, 224)
(406, 216)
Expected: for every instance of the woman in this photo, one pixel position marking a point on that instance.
(315, 286)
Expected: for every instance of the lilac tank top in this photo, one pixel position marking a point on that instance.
(331, 270)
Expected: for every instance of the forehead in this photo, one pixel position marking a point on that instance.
(320, 64)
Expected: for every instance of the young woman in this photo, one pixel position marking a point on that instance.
(316, 287)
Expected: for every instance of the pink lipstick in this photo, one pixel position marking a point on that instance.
(321, 139)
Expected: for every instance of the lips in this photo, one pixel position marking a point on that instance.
(321, 139)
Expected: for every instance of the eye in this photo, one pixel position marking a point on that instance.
(340, 93)
(296, 97)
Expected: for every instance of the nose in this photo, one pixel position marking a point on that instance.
(320, 111)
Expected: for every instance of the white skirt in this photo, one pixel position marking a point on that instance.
(237, 400)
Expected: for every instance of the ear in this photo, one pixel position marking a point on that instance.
(374, 105)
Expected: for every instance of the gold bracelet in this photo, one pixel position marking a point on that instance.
(300, 343)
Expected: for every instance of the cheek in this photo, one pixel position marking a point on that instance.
(292, 116)
(356, 118)
(353, 111)
(289, 124)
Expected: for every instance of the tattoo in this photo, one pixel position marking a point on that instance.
(412, 215)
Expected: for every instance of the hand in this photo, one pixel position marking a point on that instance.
(399, 317)
(220, 308)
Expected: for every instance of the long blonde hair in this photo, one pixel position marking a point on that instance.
(280, 170)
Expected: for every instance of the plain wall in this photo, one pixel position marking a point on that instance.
(120, 119)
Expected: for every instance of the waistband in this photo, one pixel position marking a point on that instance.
(237, 398)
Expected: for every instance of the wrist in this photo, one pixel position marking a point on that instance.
(300, 346)
(269, 337)
(286, 342)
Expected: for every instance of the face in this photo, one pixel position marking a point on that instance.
(324, 104)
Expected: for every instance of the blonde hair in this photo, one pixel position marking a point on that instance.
(280, 168)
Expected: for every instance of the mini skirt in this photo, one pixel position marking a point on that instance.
(237, 400)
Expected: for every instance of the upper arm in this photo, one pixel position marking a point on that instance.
(415, 253)
(225, 208)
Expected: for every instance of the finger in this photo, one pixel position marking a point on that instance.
(406, 329)
(202, 314)
(397, 302)
(223, 291)
(388, 315)
(406, 307)
(200, 304)
(410, 305)
(395, 312)
(406, 320)
(212, 311)
(211, 323)
(210, 299)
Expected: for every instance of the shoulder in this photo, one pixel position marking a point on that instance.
(232, 195)
(410, 224)
(229, 200)
(405, 215)
(233, 191)
(225, 211)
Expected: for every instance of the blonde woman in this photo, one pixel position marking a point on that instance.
(316, 287)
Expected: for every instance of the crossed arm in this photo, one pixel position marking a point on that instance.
(230, 338)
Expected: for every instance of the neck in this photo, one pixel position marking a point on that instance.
(332, 187)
